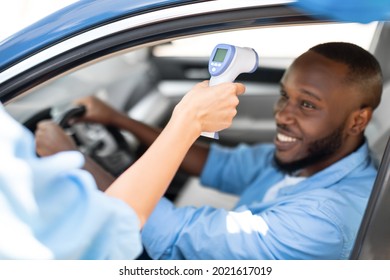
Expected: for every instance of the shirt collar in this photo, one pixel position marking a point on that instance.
(336, 171)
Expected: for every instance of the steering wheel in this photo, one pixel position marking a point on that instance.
(105, 144)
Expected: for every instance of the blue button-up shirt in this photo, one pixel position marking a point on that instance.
(317, 218)
(51, 209)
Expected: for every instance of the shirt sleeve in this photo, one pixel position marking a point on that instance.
(51, 209)
(285, 232)
(232, 169)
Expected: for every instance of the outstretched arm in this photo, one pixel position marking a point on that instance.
(202, 109)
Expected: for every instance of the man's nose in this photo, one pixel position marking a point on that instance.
(284, 112)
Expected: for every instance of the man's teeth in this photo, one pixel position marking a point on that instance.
(284, 138)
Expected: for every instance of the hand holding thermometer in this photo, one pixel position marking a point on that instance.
(226, 63)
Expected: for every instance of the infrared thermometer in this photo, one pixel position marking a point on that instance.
(226, 63)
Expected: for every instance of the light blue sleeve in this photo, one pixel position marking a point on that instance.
(296, 230)
(231, 170)
(51, 209)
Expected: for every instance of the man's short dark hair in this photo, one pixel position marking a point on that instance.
(364, 69)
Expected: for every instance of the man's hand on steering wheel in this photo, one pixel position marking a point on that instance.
(50, 138)
(96, 111)
(90, 121)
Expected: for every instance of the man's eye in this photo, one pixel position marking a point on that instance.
(308, 105)
(283, 94)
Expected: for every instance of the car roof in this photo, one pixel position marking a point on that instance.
(71, 20)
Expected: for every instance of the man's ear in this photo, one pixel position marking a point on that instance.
(359, 120)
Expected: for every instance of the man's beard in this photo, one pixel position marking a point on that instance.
(318, 151)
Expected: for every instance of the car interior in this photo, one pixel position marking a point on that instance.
(147, 81)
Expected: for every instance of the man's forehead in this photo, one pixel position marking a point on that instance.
(313, 73)
(311, 63)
